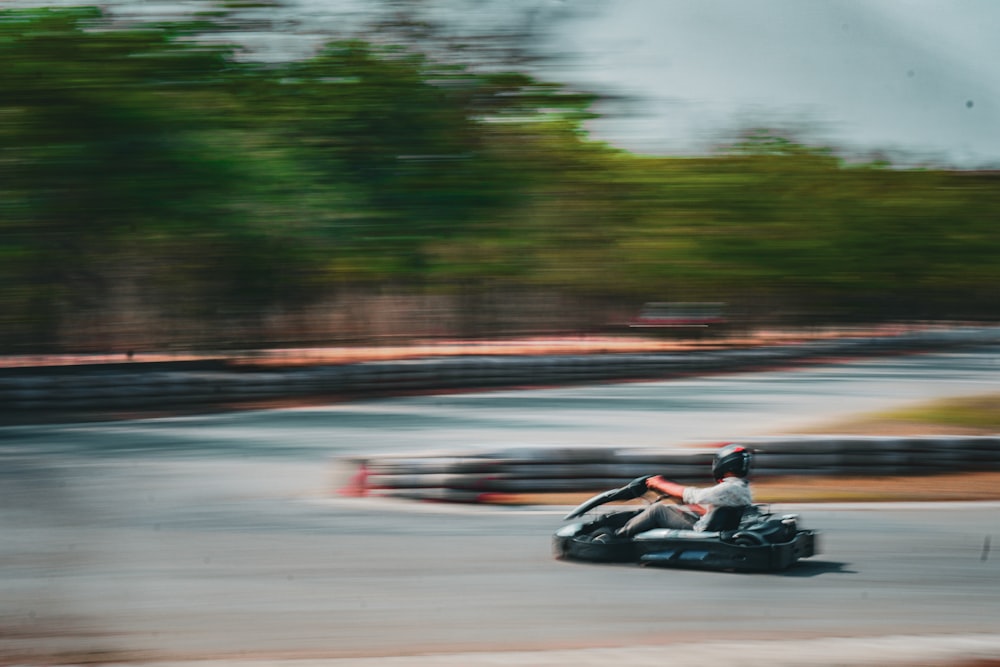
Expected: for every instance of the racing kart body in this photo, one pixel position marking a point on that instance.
(744, 539)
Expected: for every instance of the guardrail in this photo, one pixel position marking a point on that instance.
(491, 476)
(140, 386)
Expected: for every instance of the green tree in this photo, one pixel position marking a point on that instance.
(108, 150)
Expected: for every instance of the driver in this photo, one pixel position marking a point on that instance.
(730, 468)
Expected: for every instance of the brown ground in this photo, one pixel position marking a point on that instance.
(958, 486)
(391, 350)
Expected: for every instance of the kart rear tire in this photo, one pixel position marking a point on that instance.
(748, 538)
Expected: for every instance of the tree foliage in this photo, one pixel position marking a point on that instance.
(147, 160)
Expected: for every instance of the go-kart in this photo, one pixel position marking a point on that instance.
(743, 539)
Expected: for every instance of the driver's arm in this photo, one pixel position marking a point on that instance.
(673, 489)
(665, 486)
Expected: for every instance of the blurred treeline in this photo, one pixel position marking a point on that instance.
(156, 189)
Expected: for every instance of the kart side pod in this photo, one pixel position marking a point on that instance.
(764, 544)
(768, 546)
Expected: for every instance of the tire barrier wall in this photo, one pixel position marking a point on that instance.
(494, 476)
(152, 386)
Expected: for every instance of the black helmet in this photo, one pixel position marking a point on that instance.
(735, 459)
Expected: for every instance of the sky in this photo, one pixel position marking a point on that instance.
(917, 78)
(914, 80)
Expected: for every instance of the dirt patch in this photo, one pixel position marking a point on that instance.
(951, 487)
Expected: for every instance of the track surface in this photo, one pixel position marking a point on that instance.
(218, 536)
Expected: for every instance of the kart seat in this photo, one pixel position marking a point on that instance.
(725, 518)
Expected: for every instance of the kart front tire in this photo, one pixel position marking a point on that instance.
(581, 547)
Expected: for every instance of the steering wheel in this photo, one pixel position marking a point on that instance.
(638, 486)
(639, 489)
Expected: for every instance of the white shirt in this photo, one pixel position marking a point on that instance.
(730, 492)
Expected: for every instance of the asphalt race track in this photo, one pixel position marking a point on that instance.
(219, 537)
